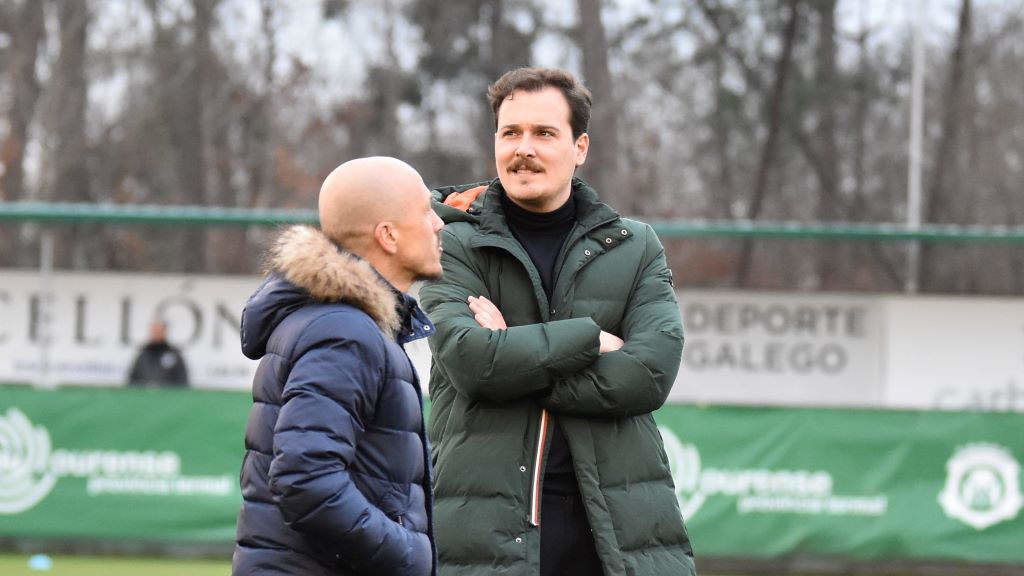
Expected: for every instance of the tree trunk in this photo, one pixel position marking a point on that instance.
(768, 149)
(969, 198)
(938, 207)
(826, 100)
(493, 69)
(506, 49)
(191, 140)
(26, 34)
(67, 131)
(874, 257)
(227, 245)
(257, 137)
(26, 31)
(605, 157)
(726, 193)
(387, 90)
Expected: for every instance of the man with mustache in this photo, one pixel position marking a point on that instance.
(557, 335)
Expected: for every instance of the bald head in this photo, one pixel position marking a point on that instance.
(362, 193)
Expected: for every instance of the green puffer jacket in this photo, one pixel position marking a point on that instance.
(492, 392)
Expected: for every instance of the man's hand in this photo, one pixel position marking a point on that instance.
(610, 342)
(486, 313)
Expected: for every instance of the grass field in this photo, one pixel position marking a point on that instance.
(17, 565)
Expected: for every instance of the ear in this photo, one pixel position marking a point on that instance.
(582, 146)
(386, 236)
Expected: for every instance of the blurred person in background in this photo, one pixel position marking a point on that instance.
(558, 334)
(158, 363)
(336, 475)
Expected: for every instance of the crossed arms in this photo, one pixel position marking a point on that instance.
(572, 366)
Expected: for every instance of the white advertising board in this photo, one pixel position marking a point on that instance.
(741, 347)
(955, 353)
(86, 328)
(791, 349)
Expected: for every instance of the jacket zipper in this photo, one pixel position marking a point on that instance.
(545, 418)
(535, 482)
(538, 461)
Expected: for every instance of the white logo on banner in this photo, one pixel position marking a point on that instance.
(29, 469)
(684, 460)
(25, 476)
(982, 486)
(760, 490)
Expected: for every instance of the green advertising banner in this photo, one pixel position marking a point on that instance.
(866, 485)
(752, 482)
(120, 463)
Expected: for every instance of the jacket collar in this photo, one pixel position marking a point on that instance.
(590, 211)
(306, 258)
(414, 323)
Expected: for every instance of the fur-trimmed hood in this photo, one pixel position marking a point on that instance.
(306, 258)
(304, 265)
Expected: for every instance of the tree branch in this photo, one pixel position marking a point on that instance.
(714, 15)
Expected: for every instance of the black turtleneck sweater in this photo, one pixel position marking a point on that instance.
(542, 234)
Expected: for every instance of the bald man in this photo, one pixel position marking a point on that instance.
(336, 475)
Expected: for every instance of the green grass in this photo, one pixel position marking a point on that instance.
(17, 565)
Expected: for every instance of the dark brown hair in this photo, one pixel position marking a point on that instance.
(534, 79)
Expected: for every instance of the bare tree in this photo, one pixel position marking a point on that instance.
(71, 180)
(507, 48)
(191, 135)
(769, 148)
(182, 62)
(469, 44)
(721, 125)
(257, 119)
(827, 96)
(605, 163)
(24, 23)
(744, 109)
(939, 203)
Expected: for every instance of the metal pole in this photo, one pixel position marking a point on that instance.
(916, 128)
(46, 379)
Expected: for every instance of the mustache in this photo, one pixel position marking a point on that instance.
(526, 163)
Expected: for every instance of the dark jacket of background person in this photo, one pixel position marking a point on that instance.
(491, 390)
(158, 364)
(336, 477)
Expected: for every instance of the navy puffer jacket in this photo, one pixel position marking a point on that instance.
(336, 475)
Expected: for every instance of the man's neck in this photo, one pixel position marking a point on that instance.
(390, 271)
(546, 205)
(560, 217)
